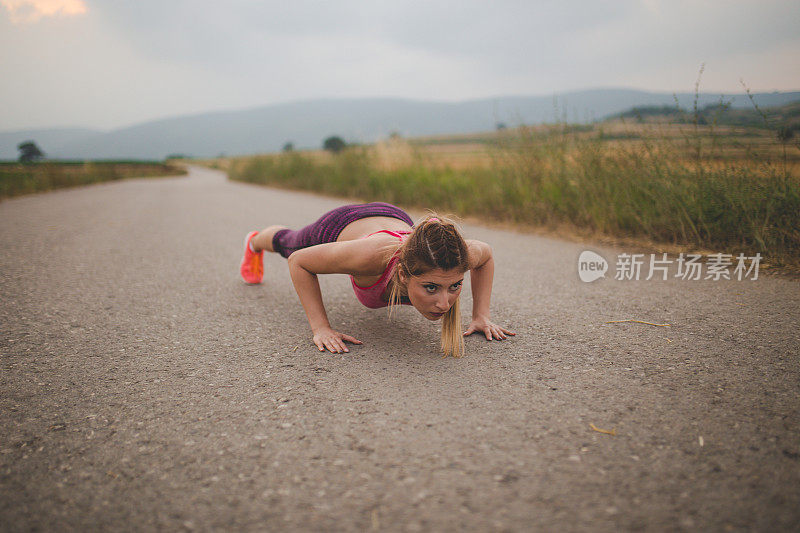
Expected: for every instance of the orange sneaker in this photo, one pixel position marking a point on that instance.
(252, 268)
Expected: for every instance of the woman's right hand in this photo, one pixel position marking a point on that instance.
(333, 340)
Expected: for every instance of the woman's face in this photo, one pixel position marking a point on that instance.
(434, 292)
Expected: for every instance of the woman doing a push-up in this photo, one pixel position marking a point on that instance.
(390, 262)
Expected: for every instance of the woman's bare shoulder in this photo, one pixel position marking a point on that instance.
(478, 251)
(383, 247)
(371, 254)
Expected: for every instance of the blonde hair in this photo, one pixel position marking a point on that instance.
(434, 243)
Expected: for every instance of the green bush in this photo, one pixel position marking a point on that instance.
(16, 179)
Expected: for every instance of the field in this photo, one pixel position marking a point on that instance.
(708, 144)
(670, 186)
(16, 178)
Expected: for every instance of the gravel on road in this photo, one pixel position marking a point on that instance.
(144, 386)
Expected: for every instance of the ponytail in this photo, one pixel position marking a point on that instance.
(452, 338)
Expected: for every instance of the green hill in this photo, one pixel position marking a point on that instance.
(780, 118)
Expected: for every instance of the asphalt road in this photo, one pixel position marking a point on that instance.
(143, 386)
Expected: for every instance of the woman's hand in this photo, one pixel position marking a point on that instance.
(333, 340)
(488, 328)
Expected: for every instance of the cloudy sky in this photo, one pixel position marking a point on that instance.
(106, 64)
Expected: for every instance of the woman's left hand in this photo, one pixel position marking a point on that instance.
(488, 328)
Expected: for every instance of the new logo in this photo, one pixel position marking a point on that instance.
(591, 266)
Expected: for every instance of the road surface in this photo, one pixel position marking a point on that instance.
(143, 386)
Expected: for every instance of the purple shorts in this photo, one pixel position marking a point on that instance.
(331, 224)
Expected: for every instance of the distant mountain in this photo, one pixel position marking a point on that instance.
(306, 124)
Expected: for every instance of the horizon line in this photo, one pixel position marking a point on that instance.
(378, 98)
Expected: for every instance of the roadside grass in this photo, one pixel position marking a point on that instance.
(17, 179)
(679, 190)
(697, 190)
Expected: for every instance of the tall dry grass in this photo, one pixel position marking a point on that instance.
(676, 189)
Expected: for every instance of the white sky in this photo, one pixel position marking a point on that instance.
(106, 64)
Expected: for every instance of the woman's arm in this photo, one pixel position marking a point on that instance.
(481, 276)
(348, 257)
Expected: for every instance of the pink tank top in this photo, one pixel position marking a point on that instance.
(371, 296)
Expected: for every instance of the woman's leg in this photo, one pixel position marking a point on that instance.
(263, 241)
(285, 241)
